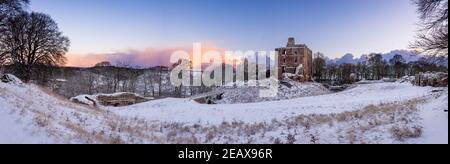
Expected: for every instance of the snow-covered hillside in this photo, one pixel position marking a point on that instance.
(369, 113)
(30, 114)
(288, 89)
(185, 110)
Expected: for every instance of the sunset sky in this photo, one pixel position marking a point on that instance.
(145, 32)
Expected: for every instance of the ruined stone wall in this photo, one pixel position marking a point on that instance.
(289, 58)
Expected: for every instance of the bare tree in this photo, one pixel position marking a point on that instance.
(30, 40)
(8, 8)
(11, 7)
(319, 66)
(161, 79)
(89, 80)
(149, 80)
(377, 65)
(433, 36)
(399, 66)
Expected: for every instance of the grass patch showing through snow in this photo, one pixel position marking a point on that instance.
(72, 123)
(384, 123)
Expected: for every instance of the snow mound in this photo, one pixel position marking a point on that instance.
(11, 79)
(23, 113)
(30, 114)
(287, 89)
(13, 128)
(406, 79)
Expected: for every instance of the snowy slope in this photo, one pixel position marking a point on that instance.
(369, 113)
(30, 114)
(434, 120)
(16, 131)
(185, 110)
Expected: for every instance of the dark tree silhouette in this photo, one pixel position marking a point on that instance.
(32, 40)
(399, 65)
(319, 66)
(103, 64)
(433, 36)
(377, 65)
(9, 8)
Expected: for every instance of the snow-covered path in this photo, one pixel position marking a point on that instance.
(186, 111)
(434, 121)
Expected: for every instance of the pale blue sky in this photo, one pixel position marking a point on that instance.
(334, 27)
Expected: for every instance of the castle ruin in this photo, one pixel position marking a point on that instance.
(295, 61)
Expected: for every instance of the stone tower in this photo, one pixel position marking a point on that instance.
(291, 42)
(295, 61)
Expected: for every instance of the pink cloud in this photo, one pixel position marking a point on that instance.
(144, 58)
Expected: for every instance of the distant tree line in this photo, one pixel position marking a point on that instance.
(431, 40)
(31, 44)
(107, 78)
(375, 68)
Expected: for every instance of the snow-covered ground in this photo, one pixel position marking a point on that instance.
(30, 114)
(14, 130)
(368, 113)
(188, 111)
(289, 89)
(434, 122)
